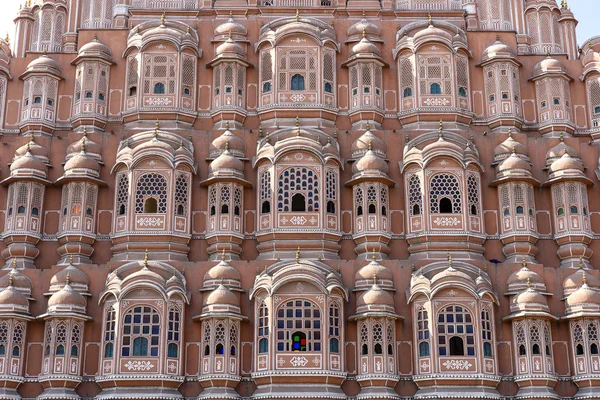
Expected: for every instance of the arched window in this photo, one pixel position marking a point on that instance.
(328, 87)
(407, 92)
(377, 339)
(358, 198)
(141, 332)
(263, 328)
(265, 192)
(456, 332)
(173, 332)
(415, 196)
(334, 328)
(150, 206)
(364, 339)
(535, 340)
(298, 202)
(299, 324)
(462, 92)
(423, 332)
(2, 350)
(331, 207)
(266, 87)
(435, 88)
(444, 194)
(266, 207)
(159, 88)
(297, 82)
(303, 181)
(486, 333)
(473, 193)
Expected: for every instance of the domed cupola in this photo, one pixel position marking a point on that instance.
(236, 145)
(371, 185)
(222, 274)
(509, 147)
(13, 303)
(498, 51)
(368, 141)
(24, 208)
(559, 150)
(17, 279)
(226, 184)
(80, 186)
(363, 28)
(572, 282)
(523, 279)
(66, 300)
(583, 301)
(229, 74)
(530, 303)
(363, 279)
(44, 64)
(230, 29)
(375, 300)
(94, 50)
(78, 280)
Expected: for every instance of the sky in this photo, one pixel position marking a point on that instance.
(585, 11)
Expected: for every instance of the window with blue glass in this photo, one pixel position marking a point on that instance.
(297, 82)
(299, 326)
(141, 332)
(455, 332)
(435, 88)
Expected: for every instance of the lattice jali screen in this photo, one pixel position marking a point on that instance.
(165, 4)
(544, 31)
(494, 15)
(428, 4)
(48, 29)
(97, 14)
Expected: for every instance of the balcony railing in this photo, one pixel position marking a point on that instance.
(297, 3)
(429, 4)
(165, 4)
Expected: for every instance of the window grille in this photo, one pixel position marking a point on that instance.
(97, 14)
(263, 328)
(303, 181)
(141, 332)
(444, 186)
(377, 339)
(173, 332)
(299, 326)
(364, 339)
(181, 194)
(159, 74)
(473, 193)
(456, 332)
(110, 320)
(486, 332)
(151, 186)
(423, 332)
(122, 193)
(415, 195)
(334, 327)
(358, 201)
(266, 68)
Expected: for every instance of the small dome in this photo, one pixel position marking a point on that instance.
(67, 297)
(222, 271)
(373, 269)
(576, 280)
(509, 146)
(566, 162)
(10, 297)
(222, 295)
(28, 162)
(370, 162)
(365, 46)
(375, 296)
(44, 64)
(74, 275)
(368, 141)
(498, 49)
(530, 297)
(549, 65)
(91, 147)
(514, 162)
(82, 161)
(226, 162)
(96, 48)
(582, 296)
(231, 26)
(19, 280)
(525, 277)
(230, 47)
(590, 57)
(433, 33)
(450, 273)
(237, 147)
(364, 25)
(442, 145)
(33, 148)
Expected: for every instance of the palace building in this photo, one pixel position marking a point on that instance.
(299, 199)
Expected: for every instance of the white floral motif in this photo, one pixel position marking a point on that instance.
(298, 361)
(158, 101)
(150, 222)
(457, 364)
(447, 221)
(436, 102)
(139, 366)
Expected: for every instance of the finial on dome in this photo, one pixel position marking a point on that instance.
(449, 260)
(10, 280)
(146, 259)
(370, 144)
(510, 132)
(83, 145)
(368, 126)
(229, 35)
(29, 146)
(528, 283)
(374, 279)
(298, 254)
(363, 13)
(84, 131)
(162, 18)
(230, 13)
(364, 33)
(227, 122)
(14, 263)
(31, 136)
(297, 15)
(584, 278)
(156, 127)
(227, 145)
(71, 259)
(260, 132)
(441, 129)
(7, 39)
(581, 262)
(373, 254)
(297, 126)
(562, 138)
(524, 262)
(223, 255)
(497, 38)
(188, 29)
(562, 3)
(429, 19)
(68, 280)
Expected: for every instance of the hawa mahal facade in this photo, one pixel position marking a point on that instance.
(299, 199)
